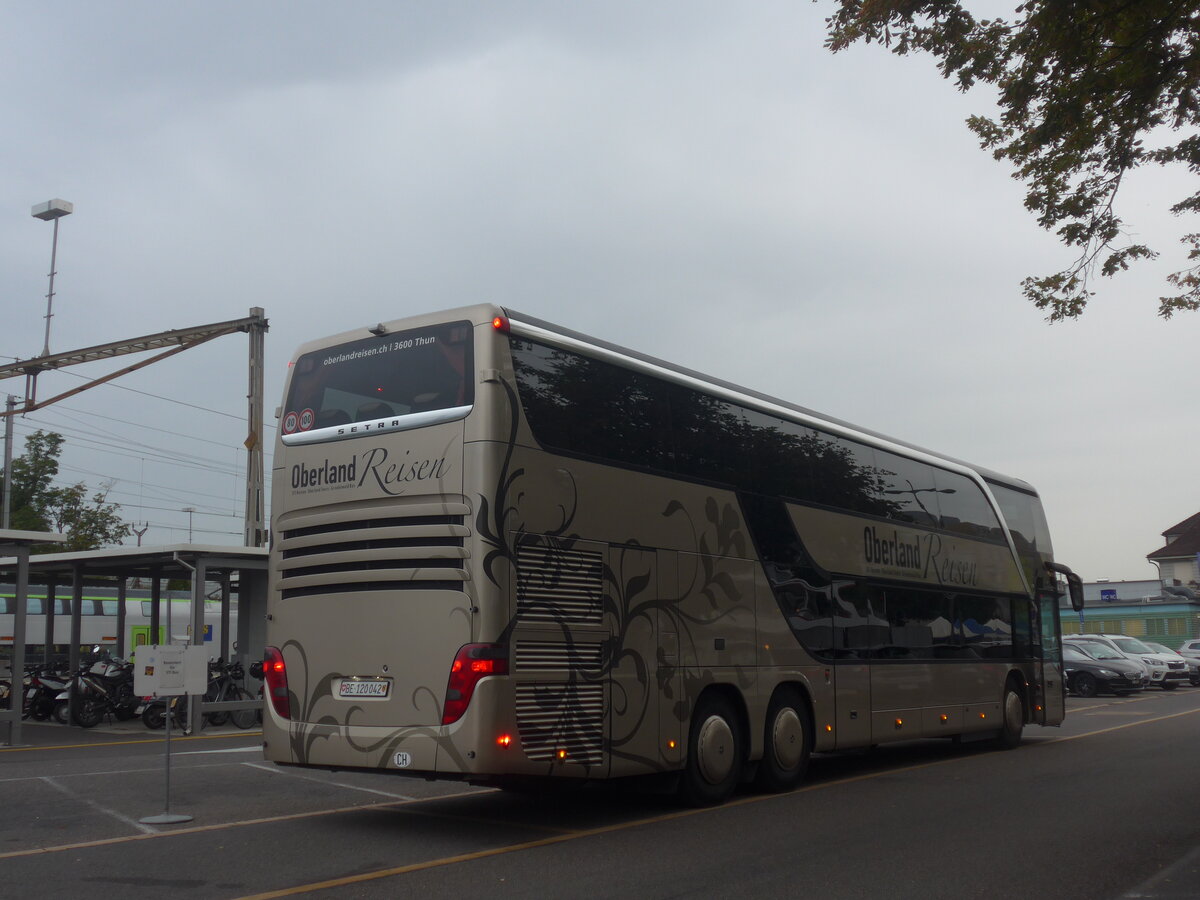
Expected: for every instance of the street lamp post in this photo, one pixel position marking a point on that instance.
(51, 211)
(10, 405)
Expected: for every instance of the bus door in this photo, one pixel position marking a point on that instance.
(852, 671)
(1048, 665)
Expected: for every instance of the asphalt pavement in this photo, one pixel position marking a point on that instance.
(1101, 809)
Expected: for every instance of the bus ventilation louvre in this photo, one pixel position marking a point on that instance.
(396, 547)
(560, 718)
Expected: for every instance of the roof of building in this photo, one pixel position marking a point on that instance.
(1186, 540)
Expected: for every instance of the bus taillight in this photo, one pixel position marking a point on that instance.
(275, 675)
(471, 663)
(500, 324)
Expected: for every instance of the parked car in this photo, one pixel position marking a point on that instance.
(1190, 649)
(1156, 668)
(1095, 669)
(1193, 665)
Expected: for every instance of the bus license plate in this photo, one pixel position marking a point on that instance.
(364, 688)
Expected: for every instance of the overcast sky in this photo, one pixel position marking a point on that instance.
(701, 181)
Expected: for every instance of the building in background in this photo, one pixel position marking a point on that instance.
(1179, 560)
(1165, 610)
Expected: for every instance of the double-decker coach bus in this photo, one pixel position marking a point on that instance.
(503, 550)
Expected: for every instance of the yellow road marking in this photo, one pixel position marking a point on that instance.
(1075, 737)
(194, 737)
(197, 829)
(592, 832)
(514, 848)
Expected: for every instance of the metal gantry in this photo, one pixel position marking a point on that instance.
(169, 342)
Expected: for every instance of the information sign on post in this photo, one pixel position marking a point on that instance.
(170, 671)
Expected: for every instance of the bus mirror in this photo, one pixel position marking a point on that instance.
(1075, 588)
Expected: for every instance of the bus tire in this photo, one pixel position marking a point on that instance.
(787, 742)
(715, 753)
(1012, 716)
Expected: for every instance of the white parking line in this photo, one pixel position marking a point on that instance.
(274, 770)
(133, 823)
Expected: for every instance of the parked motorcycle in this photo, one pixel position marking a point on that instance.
(103, 687)
(45, 683)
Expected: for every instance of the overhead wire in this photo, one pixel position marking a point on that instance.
(79, 433)
(145, 451)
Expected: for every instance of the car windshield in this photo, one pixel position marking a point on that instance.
(1131, 645)
(1160, 648)
(1100, 651)
(1075, 653)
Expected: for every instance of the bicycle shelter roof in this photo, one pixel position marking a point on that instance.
(198, 562)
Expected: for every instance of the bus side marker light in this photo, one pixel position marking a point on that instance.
(983, 715)
(562, 754)
(670, 745)
(829, 729)
(945, 718)
(899, 724)
(500, 324)
(504, 740)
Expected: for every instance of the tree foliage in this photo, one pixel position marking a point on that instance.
(38, 505)
(1089, 90)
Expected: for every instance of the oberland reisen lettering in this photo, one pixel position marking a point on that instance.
(329, 474)
(920, 553)
(390, 477)
(891, 552)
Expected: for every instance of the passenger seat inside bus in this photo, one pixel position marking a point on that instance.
(376, 410)
(327, 418)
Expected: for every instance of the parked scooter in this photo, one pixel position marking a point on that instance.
(45, 683)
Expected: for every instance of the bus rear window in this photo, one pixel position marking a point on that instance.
(392, 382)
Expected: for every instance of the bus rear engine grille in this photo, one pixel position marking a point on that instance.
(559, 586)
(554, 656)
(415, 546)
(562, 722)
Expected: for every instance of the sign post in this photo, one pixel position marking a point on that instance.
(170, 672)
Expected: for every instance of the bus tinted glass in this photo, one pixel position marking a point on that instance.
(380, 378)
(1025, 518)
(592, 408)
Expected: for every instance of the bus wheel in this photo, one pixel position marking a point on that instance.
(787, 742)
(715, 753)
(1013, 711)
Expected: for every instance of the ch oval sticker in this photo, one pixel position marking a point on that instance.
(403, 759)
